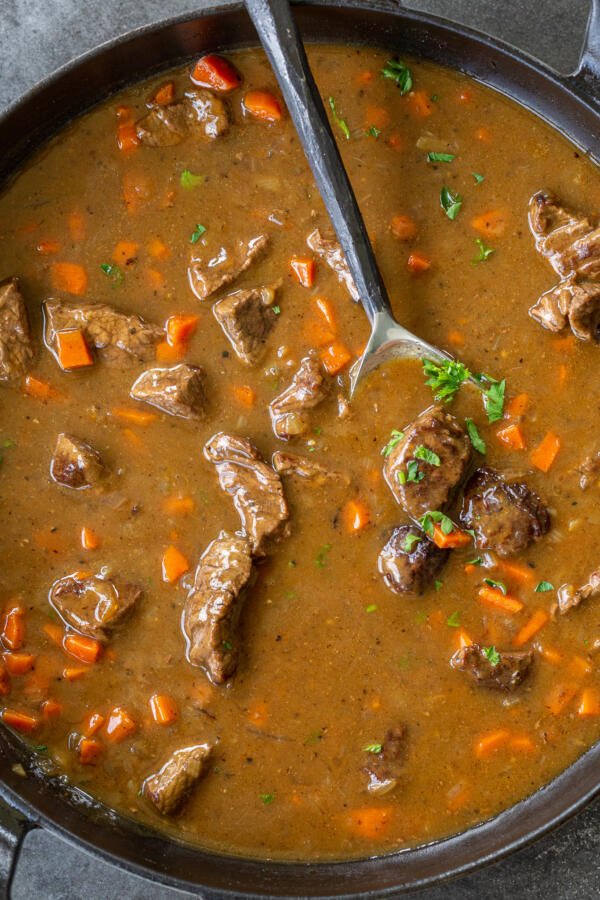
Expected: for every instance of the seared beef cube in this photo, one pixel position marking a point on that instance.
(556, 229)
(93, 605)
(170, 787)
(410, 562)
(256, 489)
(208, 275)
(16, 351)
(571, 303)
(114, 335)
(177, 390)
(569, 596)
(214, 604)
(199, 114)
(419, 485)
(307, 469)
(501, 670)
(247, 318)
(590, 471)
(331, 252)
(385, 768)
(75, 463)
(550, 309)
(289, 414)
(505, 517)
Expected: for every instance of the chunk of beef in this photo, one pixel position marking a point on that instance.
(75, 463)
(433, 486)
(505, 517)
(550, 309)
(199, 114)
(410, 562)
(113, 334)
(590, 471)
(557, 231)
(208, 275)
(170, 787)
(177, 390)
(214, 604)
(308, 469)
(568, 596)
(256, 489)
(289, 410)
(505, 673)
(331, 252)
(93, 605)
(16, 351)
(247, 318)
(385, 768)
(571, 303)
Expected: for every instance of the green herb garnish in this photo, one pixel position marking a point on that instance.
(492, 655)
(438, 584)
(227, 645)
(267, 798)
(454, 620)
(341, 123)
(113, 272)
(395, 439)
(373, 748)
(478, 561)
(498, 585)
(493, 398)
(427, 456)
(321, 557)
(188, 180)
(478, 178)
(484, 251)
(543, 587)
(40, 748)
(371, 607)
(372, 132)
(450, 202)
(197, 233)
(474, 436)
(435, 516)
(276, 310)
(409, 541)
(445, 378)
(400, 73)
(413, 473)
(440, 157)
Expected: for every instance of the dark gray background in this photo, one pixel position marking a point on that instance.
(37, 37)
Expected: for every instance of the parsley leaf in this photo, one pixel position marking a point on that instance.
(484, 251)
(371, 607)
(474, 436)
(445, 378)
(341, 123)
(498, 585)
(373, 748)
(450, 203)
(113, 272)
(454, 620)
(492, 655)
(188, 180)
(478, 178)
(409, 541)
(493, 399)
(227, 645)
(478, 561)
(437, 584)
(372, 132)
(321, 557)
(276, 310)
(543, 587)
(427, 456)
(197, 233)
(434, 515)
(267, 798)
(440, 157)
(400, 73)
(395, 439)
(413, 473)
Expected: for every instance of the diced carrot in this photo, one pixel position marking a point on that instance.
(89, 751)
(262, 105)
(39, 389)
(166, 352)
(550, 655)
(50, 540)
(543, 456)
(181, 328)
(124, 114)
(165, 94)
(355, 516)
(69, 277)
(420, 104)
(82, 647)
(370, 822)
(403, 227)
(19, 663)
(483, 134)
(522, 743)
(179, 506)
(127, 138)
(55, 632)
(395, 142)
(158, 249)
(455, 538)
(137, 191)
(578, 667)
(216, 72)
(589, 703)
(135, 416)
(47, 247)
(465, 96)
(73, 673)
(244, 395)
(512, 437)
(13, 628)
(491, 224)
(77, 226)
(517, 406)
(488, 743)
(463, 639)
(378, 116)
(335, 357)
(494, 598)
(164, 709)
(19, 721)
(51, 709)
(258, 715)
(174, 564)
(317, 333)
(72, 350)
(456, 338)
(418, 263)
(304, 269)
(125, 253)
(120, 725)
(560, 697)
(517, 571)
(325, 309)
(365, 77)
(92, 724)
(89, 539)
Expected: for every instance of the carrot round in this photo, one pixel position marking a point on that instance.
(403, 227)
(418, 263)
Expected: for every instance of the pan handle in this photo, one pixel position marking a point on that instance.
(588, 72)
(13, 828)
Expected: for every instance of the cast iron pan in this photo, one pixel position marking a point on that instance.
(572, 105)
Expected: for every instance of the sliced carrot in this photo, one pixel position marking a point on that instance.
(560, 697)
(589, 703)
(166, 352)
(51, 709)
(19, 663)
(164, 709)
(370, 822)
(403, 227)
(39, 389)
(522, 743)
(491, 224)
(494, 598)
(89, 539)
(125, 253)
(258, 715)
(120, 725)
(124, 114)
(19, 721)
(378, 116)
(488, 743)
(89, 751)
(216, 72)
(48, 247)
(179, 506)
(304, 269)
(420, 104)
(418, 263)
(263, 106)
(469, 569)
(365, 77)
(158, 249)
(517, 406)
(13, 628)
(335, 357)
(455, 538)
(174, 564)
(127, 138)
(69, 277)
(181, 328)
(77, 226)
(512, 437)
(135, 416)
(73, 673)
(543, 456)
(244, 395)
(92, 724)
(355, 516)
(165, 94)
(550, 655)
(54, 632)
(83, 647)
(519, 572)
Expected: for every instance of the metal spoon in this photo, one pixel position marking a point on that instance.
(282, 43)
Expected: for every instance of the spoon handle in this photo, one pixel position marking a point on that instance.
(280, 38)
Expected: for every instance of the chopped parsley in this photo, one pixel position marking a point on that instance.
(341, 123)
(227, 645)
(427, 456)
(543, 587)
(267, 798)
(371, 607)
(478, 561)
(438, 584)
(478, 178)
(497, 585)
(412, 475)
(445, 378)
(276, 310)
(493, 398)
(409, 541)
(197, 233)
(188, 180)
(6, 445)
(40, 748)
(474, 436)
(400, 73)
(373, 132)
(113, 272)
(395, 439)
(484, 251)
(434, 98)
(317, 430)
(454, 620)
(435, 516)
(373, 748)
(492, 655)
(450, 202)
(321, 557)
(440, 157)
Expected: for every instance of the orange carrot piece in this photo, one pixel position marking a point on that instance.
(579, 667)
(456, 338)
(377, 116)
(589, 703)
(137, 191)
(317, 333)
(89, 539)
(488, 743)
(519, 572)
(158, 249)
(216, 72)
(163, 708)
(258, 715)
(491, 224)
(89, 751)
(395, 142)
(522, 743)
(165, 94)
(335, 357)
(13, 628)
(418, 263)
(19, 663)
(483, 134)
(48, 247)
(72, 350)
(174, 564)
(179, 506)
(263, 106)
(494, 598)
(355, 516)
(20, 721)
(55, 632)
(77, 227)
(73, 673)
(325, 309)
(125, 253)
(512, 437)
(127, 138)
(244, 395)
(135, 416)
(517, 406)
(120, 725)
(39, 389)
(365, 77)
(543, 456)
(83, 648)
(420, 104)
(51, 709)
(304, 269)
(166, 352)
(463, 639)
(181, 328)
(465, 96)
(454, 539)
(370, 822)
(403, 227)
(69, 277)
(92, 724)
(560, 697)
